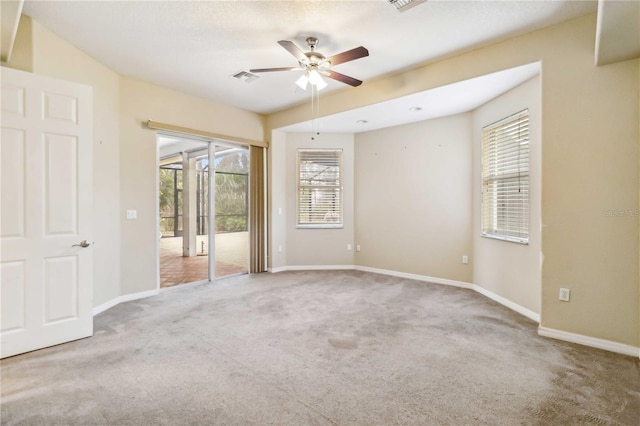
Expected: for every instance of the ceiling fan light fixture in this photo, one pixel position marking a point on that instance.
(316, 80)
(303, 81)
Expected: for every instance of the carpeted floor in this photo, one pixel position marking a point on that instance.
(317, 348)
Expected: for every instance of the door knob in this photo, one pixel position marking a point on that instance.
(83, 244)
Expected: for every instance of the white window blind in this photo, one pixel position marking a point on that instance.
(319, 188)
(505, 179)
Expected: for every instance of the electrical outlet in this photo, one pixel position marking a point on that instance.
(564, 294)
(465, 259)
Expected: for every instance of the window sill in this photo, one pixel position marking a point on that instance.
(509, 239)
(321, 226)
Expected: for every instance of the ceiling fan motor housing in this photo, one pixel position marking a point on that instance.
(312, 42)
(316, 59)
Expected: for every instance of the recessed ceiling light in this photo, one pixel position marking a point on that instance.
(414, 109)
(362, 121)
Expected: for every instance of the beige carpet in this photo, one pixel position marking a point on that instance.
(316, 348)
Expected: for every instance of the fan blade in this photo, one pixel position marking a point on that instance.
(294, 50)
(343, 78)
(349, 55)
(276, 69)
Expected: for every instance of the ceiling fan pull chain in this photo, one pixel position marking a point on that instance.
(313, 111)
(317, 130)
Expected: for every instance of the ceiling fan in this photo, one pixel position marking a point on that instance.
(315, 65)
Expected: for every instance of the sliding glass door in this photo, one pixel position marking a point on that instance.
(232, 209)
(192, 174)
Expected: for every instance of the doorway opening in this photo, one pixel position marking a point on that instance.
(191, 175)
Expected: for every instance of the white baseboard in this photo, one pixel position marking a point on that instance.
(373, 270)
(416, 277)
(501, 300)
(508, 303)
(125, 298)
(505, 302)
(311, 268)
(593, 342)
(542, 331)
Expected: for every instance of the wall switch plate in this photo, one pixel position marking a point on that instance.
(348, 247)
(132, 214)
(358, 247)
(465, 259)
(564, 294)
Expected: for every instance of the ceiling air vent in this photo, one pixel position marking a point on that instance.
(245, 76)
(402, 5)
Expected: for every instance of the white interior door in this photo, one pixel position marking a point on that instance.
(46, 183)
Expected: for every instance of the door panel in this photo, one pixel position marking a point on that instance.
(46, 147)
(12, 178)
(58, 106)
(61, 288)
(13, 296)
(62, 184)
(12, 100)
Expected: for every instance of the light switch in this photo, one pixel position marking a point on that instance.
(132, 214)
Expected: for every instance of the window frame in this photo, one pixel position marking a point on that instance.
(497, 230)
(339, 187)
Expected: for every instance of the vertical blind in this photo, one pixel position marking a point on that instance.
(505, 179)
(257, 231)
(319, 197)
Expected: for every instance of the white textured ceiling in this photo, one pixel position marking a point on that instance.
(452, 99)
(195, 46)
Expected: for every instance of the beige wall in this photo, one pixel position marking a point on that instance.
(318, 246)
(413, 198)
(22, 54)
(589, 167)
(508, 269)
(277, 202)
(141, 101)
(52, 56)
(589, 162)
(125, 259)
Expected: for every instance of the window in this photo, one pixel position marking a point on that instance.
(505, 179)
(319, 188)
